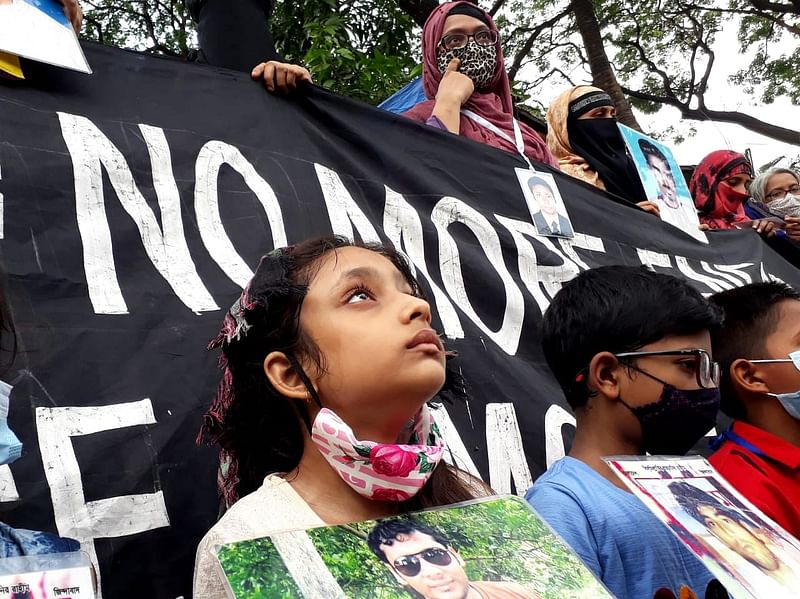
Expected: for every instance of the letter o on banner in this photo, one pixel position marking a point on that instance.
(451, 210)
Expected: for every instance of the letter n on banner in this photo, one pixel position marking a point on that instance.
(504, 447)
(166, 246)
(111, 517)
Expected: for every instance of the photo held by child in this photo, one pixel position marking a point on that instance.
(329, 363)
(632, 351)
(758, 348)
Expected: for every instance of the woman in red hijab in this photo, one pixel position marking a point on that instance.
(719, 188)
(466, 83)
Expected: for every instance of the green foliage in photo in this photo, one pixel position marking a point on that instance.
(255, 570)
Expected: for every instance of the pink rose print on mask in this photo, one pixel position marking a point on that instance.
(393, 460)
(381, 494)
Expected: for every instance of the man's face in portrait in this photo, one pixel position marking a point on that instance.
(431, 569)
(664, 179)
(544, 197)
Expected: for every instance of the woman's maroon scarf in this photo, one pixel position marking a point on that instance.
(493, 103)
(720, 206)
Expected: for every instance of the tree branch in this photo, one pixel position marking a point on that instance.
(496, 6)
(700, 42)
(783, 134)
(653, 67)
(794, 29)
(526, 47)
(780, 7)
(98, 27)
(419, 10)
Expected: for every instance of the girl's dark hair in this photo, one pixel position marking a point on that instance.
(261, 431)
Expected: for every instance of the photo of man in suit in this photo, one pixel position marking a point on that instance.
(548, 220)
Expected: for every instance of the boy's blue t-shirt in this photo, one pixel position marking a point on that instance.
(615, 535)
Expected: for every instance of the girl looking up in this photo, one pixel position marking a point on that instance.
(466, 83)
(329, 364)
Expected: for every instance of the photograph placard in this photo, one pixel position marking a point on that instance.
(496, 547)
(548, 212)
(39, 30)
(47, 576)
(752, 556)
(663, 181)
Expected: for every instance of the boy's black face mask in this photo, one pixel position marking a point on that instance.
(678, 420)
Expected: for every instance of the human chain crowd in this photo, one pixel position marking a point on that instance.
(644, 360)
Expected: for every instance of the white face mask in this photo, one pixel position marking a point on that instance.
(789, 205)
(790, 402)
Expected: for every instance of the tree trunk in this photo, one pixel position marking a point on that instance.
(789, 136)
(419, 10)
(602, 74)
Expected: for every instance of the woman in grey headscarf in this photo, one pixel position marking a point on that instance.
(779, 190)
(776, 193)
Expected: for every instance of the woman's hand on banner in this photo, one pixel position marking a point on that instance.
(765, 227)
(74, 13)
(650, 207)
(792, 227)
(280, 77)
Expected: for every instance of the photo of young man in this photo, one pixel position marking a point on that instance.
(425, 561)
(543, 201)
(736, 531)
(662, 173)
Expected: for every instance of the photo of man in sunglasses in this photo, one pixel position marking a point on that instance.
(423, 559)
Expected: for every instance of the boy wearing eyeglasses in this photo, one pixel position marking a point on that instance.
(422, 559)
(759, 351)
(631, 349)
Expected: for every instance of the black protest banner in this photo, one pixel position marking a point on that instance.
(137, 201)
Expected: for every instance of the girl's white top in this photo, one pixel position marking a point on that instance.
(275, 507)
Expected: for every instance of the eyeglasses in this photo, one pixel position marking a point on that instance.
(454, 41)
(779, 194)
(706, 370)
(793, 357)
(409, 565)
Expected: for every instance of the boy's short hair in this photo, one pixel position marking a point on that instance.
(752, 314)
(617, 309)
(386, 532)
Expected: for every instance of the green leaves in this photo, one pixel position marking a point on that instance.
(362, 450)
(425, 465)
(360, 49)
(661, 51)
(159, 26)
